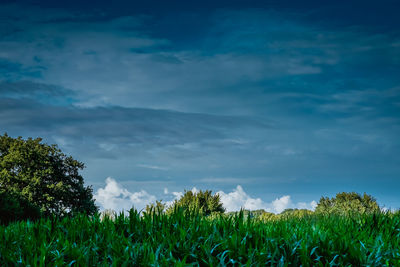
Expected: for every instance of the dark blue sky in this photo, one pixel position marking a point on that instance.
(272, 103)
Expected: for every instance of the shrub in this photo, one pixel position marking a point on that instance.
(345, 203)
(203, 201)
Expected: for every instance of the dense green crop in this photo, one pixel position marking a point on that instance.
(191, 239)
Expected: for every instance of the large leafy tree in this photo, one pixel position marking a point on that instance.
(203, 201)
(345, 203)
(44, 176)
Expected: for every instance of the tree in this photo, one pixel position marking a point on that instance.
(202, 201)
(44, 176)
(345, 203)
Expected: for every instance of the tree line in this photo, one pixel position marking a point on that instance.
(39, 180)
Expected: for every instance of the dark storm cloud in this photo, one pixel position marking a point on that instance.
(262, 51)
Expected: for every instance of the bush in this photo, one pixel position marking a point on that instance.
(345, 203)
(202, 201)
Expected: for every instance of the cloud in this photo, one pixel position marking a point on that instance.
(303, 205)
(177, 195)
(114, 196)
(282, 203)
(238, 199)
(123, 61)
(37, 106)
(153, 167)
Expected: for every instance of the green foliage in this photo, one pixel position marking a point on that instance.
(13, 208)
(197, 240)
(345, 203)
(268, 216)
(202, 201)
(44, 176)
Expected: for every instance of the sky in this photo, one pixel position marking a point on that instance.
(271, 104)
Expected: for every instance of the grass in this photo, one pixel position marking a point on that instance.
(190, 239)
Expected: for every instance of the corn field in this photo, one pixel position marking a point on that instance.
(190, 239)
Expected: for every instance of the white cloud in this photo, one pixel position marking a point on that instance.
(280, 204)
(311, 206)
(195, 190)
(177, 195)
(114, 196)
(238, 199)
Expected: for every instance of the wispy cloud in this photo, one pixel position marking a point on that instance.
(152, 167)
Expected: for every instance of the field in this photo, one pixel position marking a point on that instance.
(191, 239)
